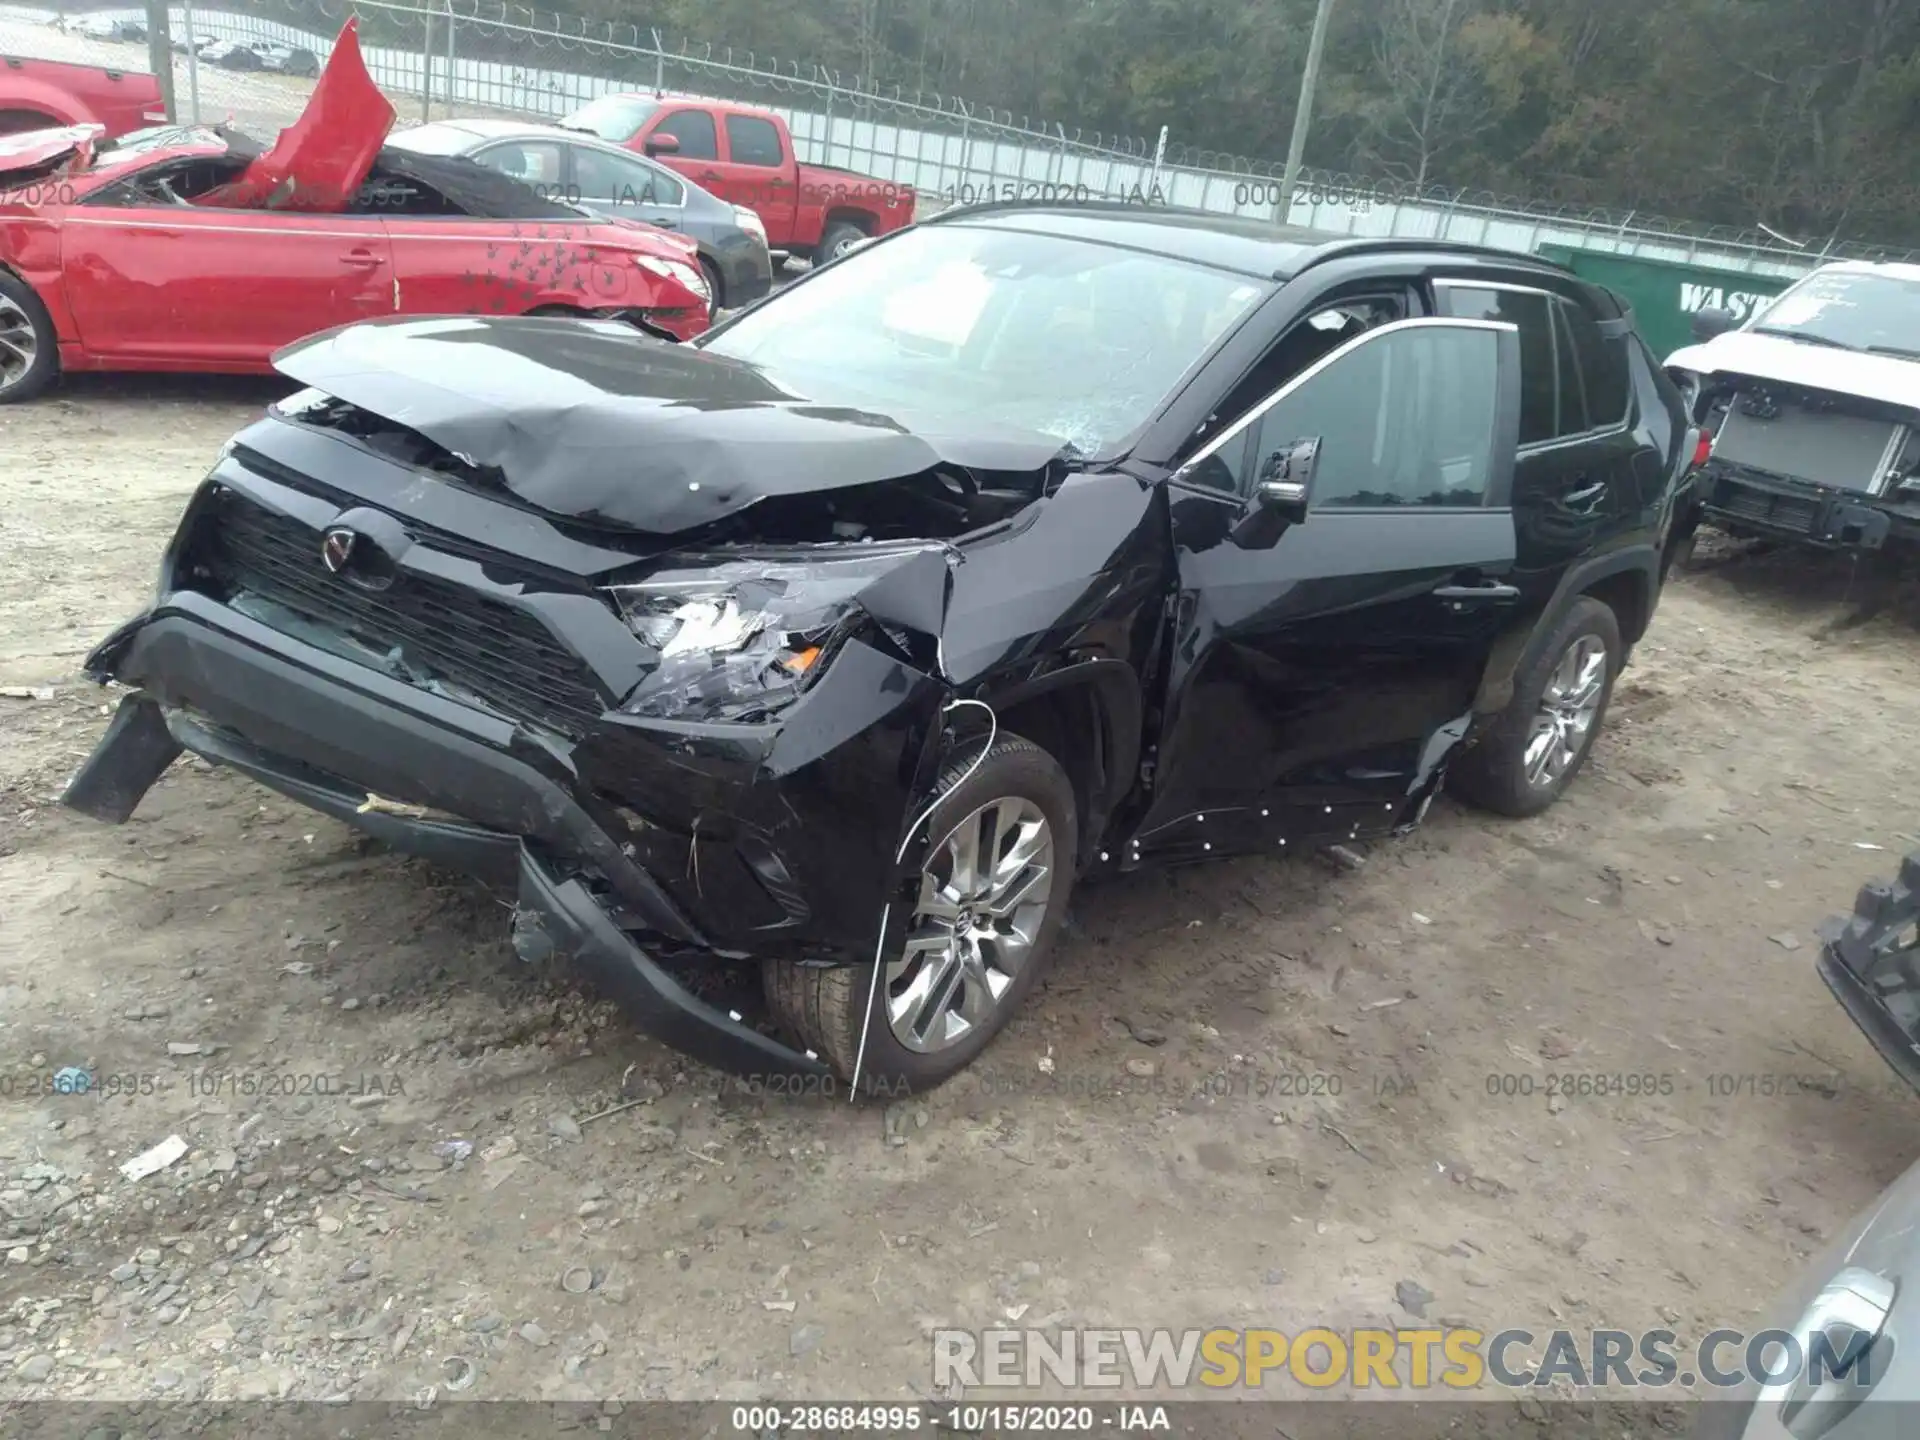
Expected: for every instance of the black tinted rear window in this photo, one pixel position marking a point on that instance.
(1603, 367)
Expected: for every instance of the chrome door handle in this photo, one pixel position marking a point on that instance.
(1478, 594)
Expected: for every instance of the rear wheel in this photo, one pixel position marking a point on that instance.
(719, 293)
(18, 122)
(29, 352)
(993, 893)
(1536, 747)
(840, 237)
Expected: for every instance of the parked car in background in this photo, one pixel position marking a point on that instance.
(186, 248)
(745, 155)
(232, 55)
(565, 165)
(1026, 545)
(50, 94)
(1813, 405)
(286, 59)
(100, 27)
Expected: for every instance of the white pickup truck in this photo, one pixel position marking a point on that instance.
(1813, 405)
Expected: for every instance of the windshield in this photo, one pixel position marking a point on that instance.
(159, 137)
(613, 117)
(1851, 309)
(1072, 339)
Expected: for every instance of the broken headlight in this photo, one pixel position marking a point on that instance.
(739, 639)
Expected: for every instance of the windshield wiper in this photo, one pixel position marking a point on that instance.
(1804, 338)
(1895, 350)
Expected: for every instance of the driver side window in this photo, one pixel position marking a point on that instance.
(1304, 344)
(1405, 418)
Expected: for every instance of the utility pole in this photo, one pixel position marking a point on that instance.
(160, 55)
(1303, 114)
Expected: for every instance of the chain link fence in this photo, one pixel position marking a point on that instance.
(443, 58)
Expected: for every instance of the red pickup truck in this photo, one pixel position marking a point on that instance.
(745, 155)
(53, 94)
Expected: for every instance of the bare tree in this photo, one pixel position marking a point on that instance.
(1429, 93)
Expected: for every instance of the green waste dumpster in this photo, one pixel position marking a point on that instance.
(1665, 294)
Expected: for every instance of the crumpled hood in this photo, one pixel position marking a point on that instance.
(1885, 378)
(597, 422)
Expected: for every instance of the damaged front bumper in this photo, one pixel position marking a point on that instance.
(1742, 500)
(554, 914)
(645, 850)
(1870, 960)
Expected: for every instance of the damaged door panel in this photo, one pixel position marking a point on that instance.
(227, 290)
(845, 641)
(1312, 670)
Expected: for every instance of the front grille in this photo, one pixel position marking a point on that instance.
(1785, 512)
(472, 642)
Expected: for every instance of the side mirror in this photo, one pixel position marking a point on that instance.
(663, 145)
(1713, 321)
(1280, 494)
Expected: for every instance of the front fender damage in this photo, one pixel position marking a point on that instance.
(790, 833)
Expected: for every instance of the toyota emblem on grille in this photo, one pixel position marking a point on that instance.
(336, 548)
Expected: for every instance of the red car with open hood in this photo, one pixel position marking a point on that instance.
(192, 249)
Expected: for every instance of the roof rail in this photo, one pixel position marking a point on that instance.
(1362, 245)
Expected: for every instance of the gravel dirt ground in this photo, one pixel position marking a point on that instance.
(1263, 1092)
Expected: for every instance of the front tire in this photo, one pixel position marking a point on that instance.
(29, 350)
(992, 897)
(1542, 739)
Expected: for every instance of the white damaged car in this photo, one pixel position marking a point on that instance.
(1813, 406)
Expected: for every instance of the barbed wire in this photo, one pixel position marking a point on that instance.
(492, 26)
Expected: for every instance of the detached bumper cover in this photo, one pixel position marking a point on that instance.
(530, 813)
(1871, 962)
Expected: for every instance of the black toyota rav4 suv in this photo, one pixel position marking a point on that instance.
(1023, 546)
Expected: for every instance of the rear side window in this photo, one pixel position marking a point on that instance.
(531, 162)
(1603, 367)
(752, 141)
(1573, 401)
(694, 130)
(600, 176)
(1531, 313)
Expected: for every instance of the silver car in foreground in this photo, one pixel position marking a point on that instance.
(1859, 1298)
(1862, 1293)
(577, 169)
